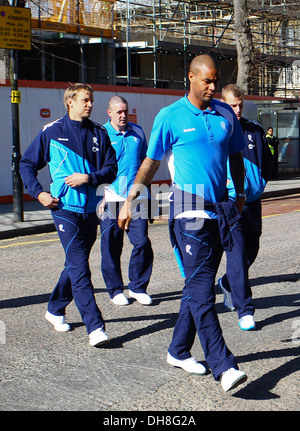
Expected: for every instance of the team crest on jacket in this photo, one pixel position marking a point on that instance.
(251, 144)
(223, 125)
(96, 145)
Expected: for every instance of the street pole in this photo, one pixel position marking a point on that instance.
(16, 156)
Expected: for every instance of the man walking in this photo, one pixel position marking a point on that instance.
(258, 165)
(129, 142)
(198, 134)
(80, 158)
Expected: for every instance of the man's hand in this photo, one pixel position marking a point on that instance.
(239, 203)
(47, 200)
(125, 215)
(100, 208)
(143, 178)
(77, 179)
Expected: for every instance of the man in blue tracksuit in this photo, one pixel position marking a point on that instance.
(258, 167)
(198, 134)
(129, 142)
(80, 158)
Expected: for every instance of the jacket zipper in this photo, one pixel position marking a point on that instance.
(83, 143)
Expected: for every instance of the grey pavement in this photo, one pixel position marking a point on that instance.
(38, 219)
(43, 370)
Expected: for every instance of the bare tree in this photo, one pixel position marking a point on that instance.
(244, 46)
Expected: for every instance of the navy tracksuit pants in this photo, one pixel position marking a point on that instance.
(77, 233)
(201, 252)
(141, 259)
(236, 279)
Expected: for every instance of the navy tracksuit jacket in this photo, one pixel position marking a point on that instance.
(257, 161)
(70, 146)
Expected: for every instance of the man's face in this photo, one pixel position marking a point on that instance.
(236, 104)
(80, 107)
(270, 132)
(118, 114)
(204, 83)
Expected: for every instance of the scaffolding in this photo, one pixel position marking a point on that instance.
(190, 27)
(87, 17)
(159, 27)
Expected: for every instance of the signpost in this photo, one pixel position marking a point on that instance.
(15, 33)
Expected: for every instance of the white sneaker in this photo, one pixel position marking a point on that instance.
(190, 365)
(231, 378)
(58, 322)
(142, 298)
(98, 337)
(247, 323)
(120, 299)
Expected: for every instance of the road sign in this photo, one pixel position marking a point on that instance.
(15, 28)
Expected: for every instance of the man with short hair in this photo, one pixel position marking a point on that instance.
(129, 142)
(198, 134)
(80, 158)
(258, 164)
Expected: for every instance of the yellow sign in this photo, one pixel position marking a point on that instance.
(15, 96)
(15, 28)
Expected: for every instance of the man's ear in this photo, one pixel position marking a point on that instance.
(69, 102)
(191, 76)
